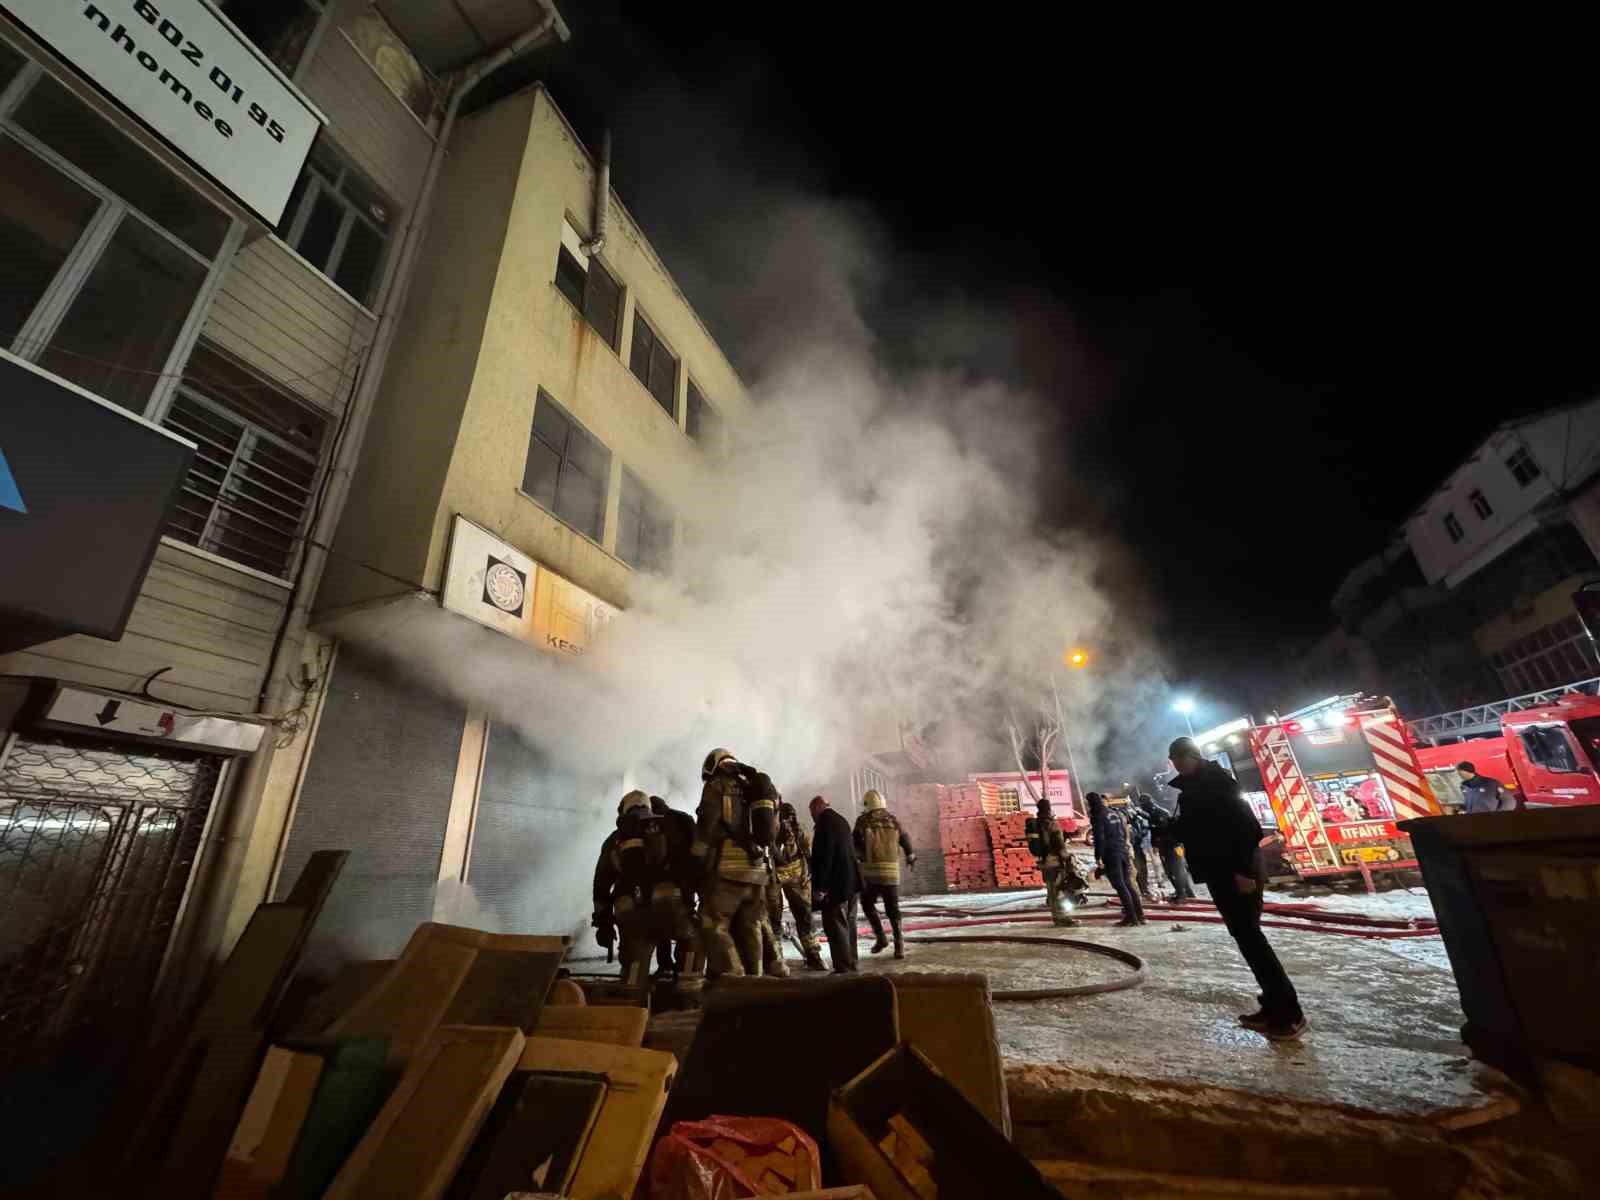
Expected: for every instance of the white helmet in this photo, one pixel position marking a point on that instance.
(714, 760)
(634, 799)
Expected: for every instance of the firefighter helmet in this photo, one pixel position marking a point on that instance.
(872, 800)
(714, 760)
(634, 799)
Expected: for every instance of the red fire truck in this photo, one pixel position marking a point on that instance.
(1334, 778)
(1550, 755)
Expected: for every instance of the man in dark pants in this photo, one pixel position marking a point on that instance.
(1222, 841)
(1113, 856)
(835, 882)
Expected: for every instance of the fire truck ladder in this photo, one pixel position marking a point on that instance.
(1287, 787)
(1485, 718)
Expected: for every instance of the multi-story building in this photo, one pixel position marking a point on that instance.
(552, 404)
(210, 212)
(1472, 598)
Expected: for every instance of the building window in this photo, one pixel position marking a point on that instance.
(644, 527)
(1522, 467)
(568, 470)
(250, 489)
(703, 422)
(103, 253)
(338, 223)
(281, 29)
(593, 292)
(1556, 655)
(654, 364)
(11, 61)
(1480, 503)
(1453, 527)
(63, 123)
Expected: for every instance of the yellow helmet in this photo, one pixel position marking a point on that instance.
(634, 799)
(872, 800)
(714, 760)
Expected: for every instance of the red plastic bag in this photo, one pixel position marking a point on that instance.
(715, 1159)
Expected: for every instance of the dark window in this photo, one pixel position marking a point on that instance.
(11, 62)
(567, 469)
(644, 527)
(251, 486)
(1522, 467)
(42, 216)
(110, 342)
(339, 223)
(64, 123)
(1453, 527)
(1480, 504)
(654, 364)
(279, 28)
(704, 423)
(593, 292)
(1549, 748)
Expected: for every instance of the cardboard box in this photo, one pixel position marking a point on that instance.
(971, 1159)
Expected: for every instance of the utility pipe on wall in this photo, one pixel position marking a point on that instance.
(602, 196)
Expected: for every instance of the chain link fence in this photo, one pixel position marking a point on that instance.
(97, 845)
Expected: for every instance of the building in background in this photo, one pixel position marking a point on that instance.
(1472, 597)
(208, 231)
(552, 401)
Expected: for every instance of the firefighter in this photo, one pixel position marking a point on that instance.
(1049, 846)
(792, 880)
(638, 890)
(1172, 860)
(879, 841)
(735, 829)
(1139, 839)
(1113, 854)
(1480, 793)
(680, 835)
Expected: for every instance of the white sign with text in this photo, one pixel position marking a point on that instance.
(190, 77)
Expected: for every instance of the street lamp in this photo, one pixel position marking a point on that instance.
(1185, 705)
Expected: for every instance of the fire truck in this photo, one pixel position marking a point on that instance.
(1332, 780)
(1548, 752)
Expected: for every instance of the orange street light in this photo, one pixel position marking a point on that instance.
(1077, 659)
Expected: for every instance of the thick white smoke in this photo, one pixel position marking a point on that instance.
(869, 553)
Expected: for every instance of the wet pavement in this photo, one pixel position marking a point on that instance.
(1385, 1015)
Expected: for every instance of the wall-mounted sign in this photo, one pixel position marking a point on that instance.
(566, 618)
(496, 585)
(190, 77)
(106, 713)
(85, 489)
(489, 581)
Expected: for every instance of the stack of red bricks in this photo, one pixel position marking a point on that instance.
(1014, 864)
(964, 837)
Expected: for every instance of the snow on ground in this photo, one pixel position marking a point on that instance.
(1385, 1013)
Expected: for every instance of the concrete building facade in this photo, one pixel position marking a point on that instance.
(245, 310)
(552, 403)
(1472, 597)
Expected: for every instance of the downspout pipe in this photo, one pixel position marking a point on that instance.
(602, 196)
(232, 837)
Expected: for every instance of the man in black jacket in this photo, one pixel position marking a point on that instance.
(835, 882)
(1168, 848)
(1222, 842)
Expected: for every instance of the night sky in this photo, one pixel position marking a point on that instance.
(1275, 281)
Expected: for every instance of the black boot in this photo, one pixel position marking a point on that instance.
(881, 944)
(899, 945)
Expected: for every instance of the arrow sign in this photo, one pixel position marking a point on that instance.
(108, 714)
(10, 494)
